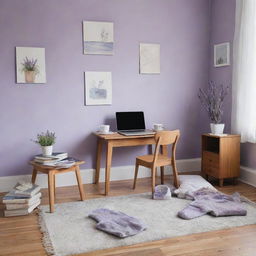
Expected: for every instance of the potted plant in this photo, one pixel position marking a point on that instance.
(30, 69)
(46, 141)
(212, 100)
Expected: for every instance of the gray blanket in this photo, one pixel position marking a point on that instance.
(214, 203)
(116, 223)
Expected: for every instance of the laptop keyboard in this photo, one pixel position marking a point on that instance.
(135, 133)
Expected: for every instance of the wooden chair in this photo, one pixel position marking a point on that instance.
(163, 139)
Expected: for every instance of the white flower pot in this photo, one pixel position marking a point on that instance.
(217, 128)
(47, 150)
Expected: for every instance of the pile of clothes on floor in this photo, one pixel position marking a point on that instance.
(205, 200)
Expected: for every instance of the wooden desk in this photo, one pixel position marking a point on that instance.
(51, 171)
(117, 140)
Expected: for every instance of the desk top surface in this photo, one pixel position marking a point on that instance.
(117, 136)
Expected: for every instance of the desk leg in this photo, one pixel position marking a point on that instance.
(108, 166)
(80, 183)
(98, 160)
(164, 152)
(162, 174)
(153, 180)
(33, 179)
(51, 190)
(175, 173)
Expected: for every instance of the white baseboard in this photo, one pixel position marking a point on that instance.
(117, 173)
(248, 175)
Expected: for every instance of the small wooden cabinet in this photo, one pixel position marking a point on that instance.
(220, 156)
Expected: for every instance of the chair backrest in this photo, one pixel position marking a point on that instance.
(167, 137)
(164, 138)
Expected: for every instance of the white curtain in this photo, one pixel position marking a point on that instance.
(244, 71)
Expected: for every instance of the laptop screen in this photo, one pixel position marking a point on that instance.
(130, 120)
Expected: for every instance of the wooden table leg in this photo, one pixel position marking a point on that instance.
(162, 174)
(54, 185)
(51, 190)
(98, 160)
(135, 175)
(108, 166)
(175, 174)
(153, 180)
(80, 183)
(34, 174)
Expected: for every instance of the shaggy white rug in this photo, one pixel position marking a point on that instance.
(69, 231)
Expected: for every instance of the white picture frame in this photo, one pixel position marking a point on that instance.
(149, 58)
(98, 37)
(30, 65)
(222, 54)
(98, 88)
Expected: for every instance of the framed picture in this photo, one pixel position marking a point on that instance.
(221, 55)
(98, 37)
(30, 65)
(149, 58)
(98, 88)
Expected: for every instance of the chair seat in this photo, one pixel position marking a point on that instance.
(147, 160)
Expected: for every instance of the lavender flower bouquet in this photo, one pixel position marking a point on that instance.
(212, 100)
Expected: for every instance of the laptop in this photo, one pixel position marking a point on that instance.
(131, 124)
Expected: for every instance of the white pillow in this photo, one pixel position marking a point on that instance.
(191, 183)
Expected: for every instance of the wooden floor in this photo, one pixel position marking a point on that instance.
(21, 235)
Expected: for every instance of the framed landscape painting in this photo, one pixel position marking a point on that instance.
(98, 37)
(221, 55)
(30, 65)
(149, 58)
(98, 88)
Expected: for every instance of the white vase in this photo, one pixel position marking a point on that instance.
(47, 150)
(217, 128)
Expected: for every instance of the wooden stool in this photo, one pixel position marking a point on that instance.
(51, 171)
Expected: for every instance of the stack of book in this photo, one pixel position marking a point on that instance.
(57, 160)
(22, 199)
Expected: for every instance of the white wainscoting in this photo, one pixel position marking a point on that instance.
(248, 175)
(117, 173)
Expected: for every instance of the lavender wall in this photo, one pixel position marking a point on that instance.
(180, 26)
(222, 30)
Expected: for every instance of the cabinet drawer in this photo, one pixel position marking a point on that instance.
(211, 159)
(210, 164)
(212, 171)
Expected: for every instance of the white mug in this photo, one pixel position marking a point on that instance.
(158, 127)
(104, 128)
